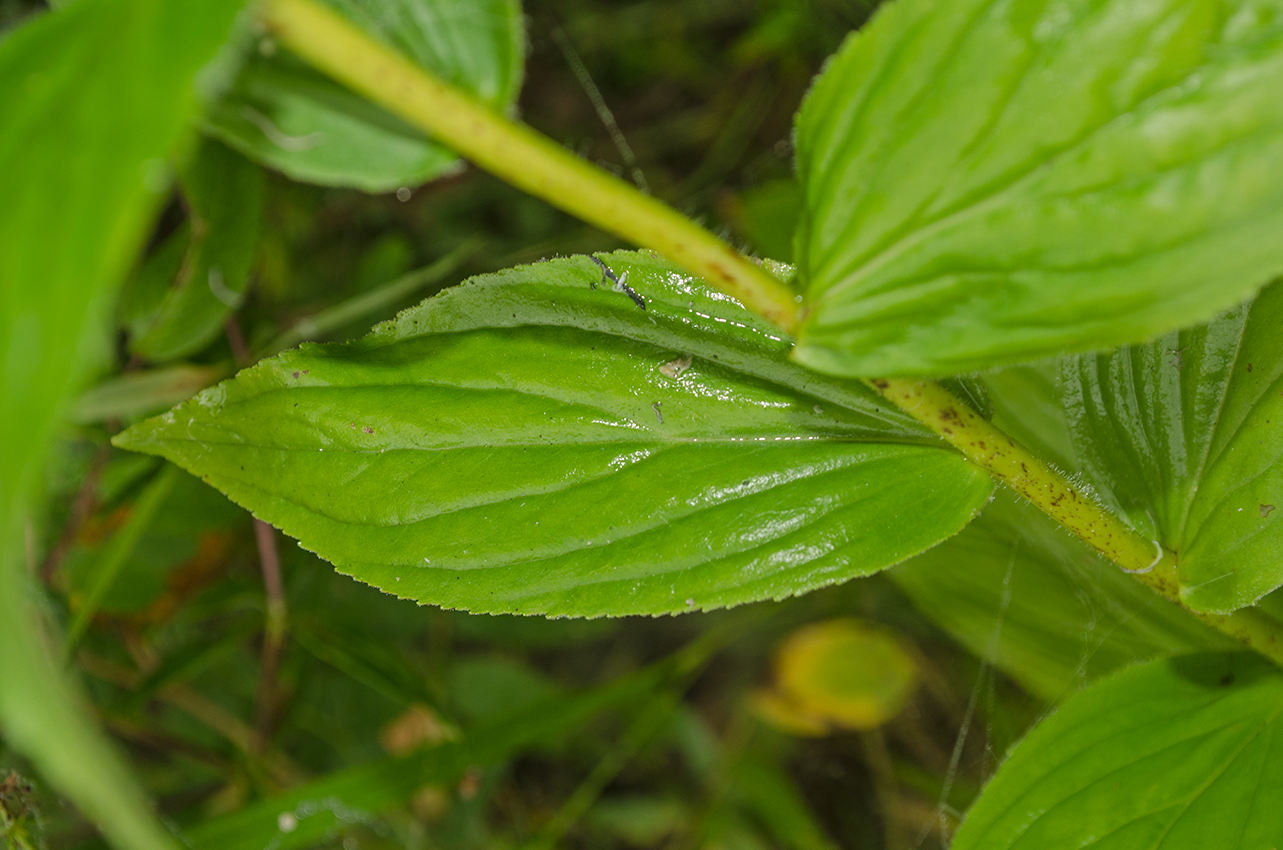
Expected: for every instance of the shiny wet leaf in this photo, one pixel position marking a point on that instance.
(1180, 753)
(1183, 437)
(526, 443)
(988, 182)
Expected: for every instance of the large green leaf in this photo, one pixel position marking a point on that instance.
(1018, 590)
(990, 181)
(94, 97)
(1181, 753)
(292, 118)
(527, 443)
(1182, 436)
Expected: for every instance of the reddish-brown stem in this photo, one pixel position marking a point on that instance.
(81, 508)
(270, 560)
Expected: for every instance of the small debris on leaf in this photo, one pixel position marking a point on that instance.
(674, 368)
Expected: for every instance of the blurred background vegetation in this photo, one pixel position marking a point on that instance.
(723, 730)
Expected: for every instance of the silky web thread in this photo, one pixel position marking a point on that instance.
(599, 105)
(1095, 603)
(1092, 643)
(943, 809)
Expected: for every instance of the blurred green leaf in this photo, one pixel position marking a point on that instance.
(224, 194)
(1182, 437)
(118, 551)
(770, 796)
(304, 815)
(987, 183)
(293, 119)
(364, 658)
(482, 688)
(640, 821)
(768, 214)
(529, 444)
(94, 98)
(165, 527)
(146, 290)
(1015, 588)
(1180, 753)
(1029, 407)
(382, 299)
(134, 395)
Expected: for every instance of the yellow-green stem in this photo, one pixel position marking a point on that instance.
(543, 168)
(520, 155)
(1057, 497)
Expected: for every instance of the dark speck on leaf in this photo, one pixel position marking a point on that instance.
(1249, 367)
(1265, 510)
(367, 429)
(1227, 679)
(296, 374)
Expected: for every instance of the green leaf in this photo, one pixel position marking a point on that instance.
(767, 215)
(1016, 589)
(990, 182)
(1181, 753)
(304, 816)
(1182, 437)
(527, 443)
(116, 555)
(291, 118)
(94, 98)
(224, 194)
(1029, 407)
(167, 525)
(132, 395)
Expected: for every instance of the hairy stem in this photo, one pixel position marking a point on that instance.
(532, 162)
(520, 155)
(1057, 497)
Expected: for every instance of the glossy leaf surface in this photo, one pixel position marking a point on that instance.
(1022, 593)
(1181, 753)
(289, 117)
(94, 97)
(1184, 437)
(991, 181)
(527, 443)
